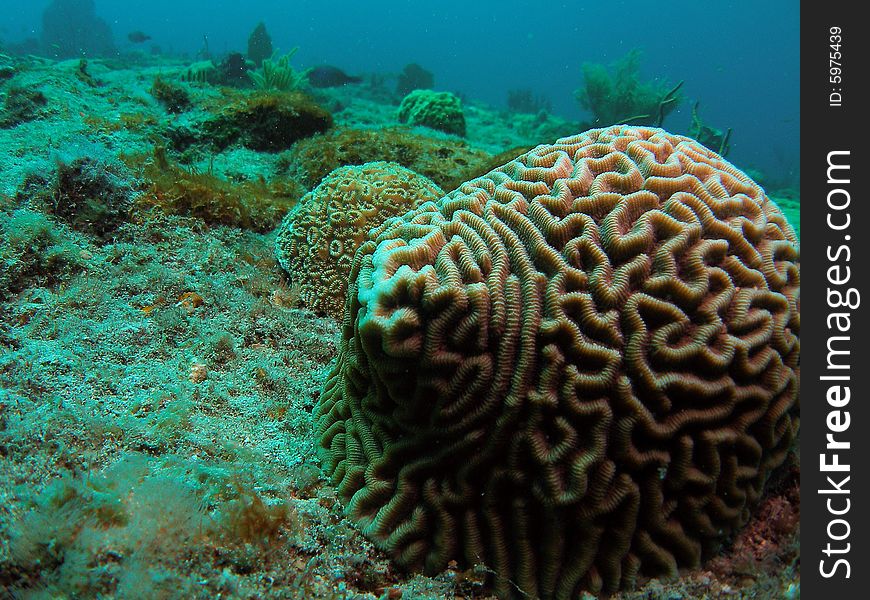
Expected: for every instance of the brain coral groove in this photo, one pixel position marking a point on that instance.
(577, 368)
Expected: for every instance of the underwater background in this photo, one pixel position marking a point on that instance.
(183, 187)
(740, 59)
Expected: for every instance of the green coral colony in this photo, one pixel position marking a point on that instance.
(565, 365)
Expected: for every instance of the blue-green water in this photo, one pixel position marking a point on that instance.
(739, 59)
(180, 210)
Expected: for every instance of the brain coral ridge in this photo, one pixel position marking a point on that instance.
(577, 368)
(317, 240)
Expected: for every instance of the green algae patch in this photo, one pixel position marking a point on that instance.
(21, 105)
(174, 98)
(619, 95)
(257, 204)
(35, 251)
(266, 121)
(126, 528)
(446, 161)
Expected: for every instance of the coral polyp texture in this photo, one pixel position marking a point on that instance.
(578, 368)
(317, 240)
(436, 110)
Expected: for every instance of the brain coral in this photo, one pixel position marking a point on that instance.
(579, 367)
(317, 240)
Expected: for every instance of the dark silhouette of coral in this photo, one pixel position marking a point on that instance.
(259, 44)
(524, 100)
(234, 70)
(71, 28)
(414, 77)
(579, 367)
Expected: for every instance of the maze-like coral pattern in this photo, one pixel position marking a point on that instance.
(577, 368)
(316, 242)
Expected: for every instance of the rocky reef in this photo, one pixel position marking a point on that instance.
(190, 398)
